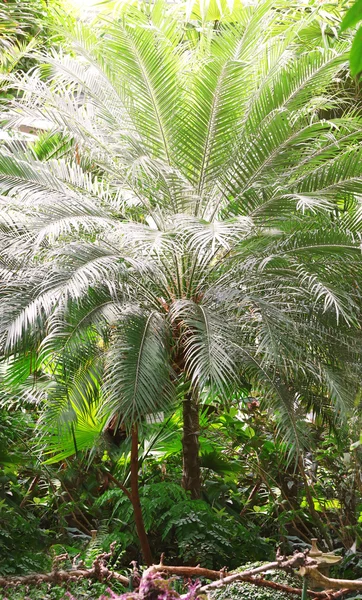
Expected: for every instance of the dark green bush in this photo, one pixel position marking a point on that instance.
(22, 542)
(189, 531)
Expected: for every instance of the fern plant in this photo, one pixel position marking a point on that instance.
(187, 531)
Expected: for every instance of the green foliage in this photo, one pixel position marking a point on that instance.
(245, 591)
(84, 590)
(22, 541)
(22, 535)
(24, 26)
(188, 531)
(355, 60)
(202, 535)
(351, 18)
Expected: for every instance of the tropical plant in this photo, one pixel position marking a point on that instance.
(23, 26)
(351, 18)
(184, 226)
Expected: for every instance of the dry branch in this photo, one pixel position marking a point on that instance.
(328, 582)
(61, 576)
(220, 578)
(281, 587)
(99, 572)
(188, 571)
(298, 560)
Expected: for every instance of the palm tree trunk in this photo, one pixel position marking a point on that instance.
(135, 499)
(191, 478)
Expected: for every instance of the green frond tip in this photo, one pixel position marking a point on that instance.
(352, 16)
(138, 375)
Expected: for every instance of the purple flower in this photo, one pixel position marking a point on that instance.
(191, 594)
(153, 587)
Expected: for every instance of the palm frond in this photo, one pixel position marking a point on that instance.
(137, 367)
(205, 339)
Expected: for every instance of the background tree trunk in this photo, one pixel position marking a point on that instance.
(135, 499)
(191, 478)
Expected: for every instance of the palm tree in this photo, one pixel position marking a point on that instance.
(188, 221)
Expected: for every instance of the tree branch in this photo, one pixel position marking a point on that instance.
(99, 572)
(328, 582)
(119, 484)
(219, 579)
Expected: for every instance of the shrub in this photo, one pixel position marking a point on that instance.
(189, 531)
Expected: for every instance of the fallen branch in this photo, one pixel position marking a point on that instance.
(281, 587)
(220, 578)
(329, 582)
(188, 571)
(59, 577)
(98, 572)
(298, 560)
(266, 583)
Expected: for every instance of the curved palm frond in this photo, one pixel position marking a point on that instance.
(137, 367)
